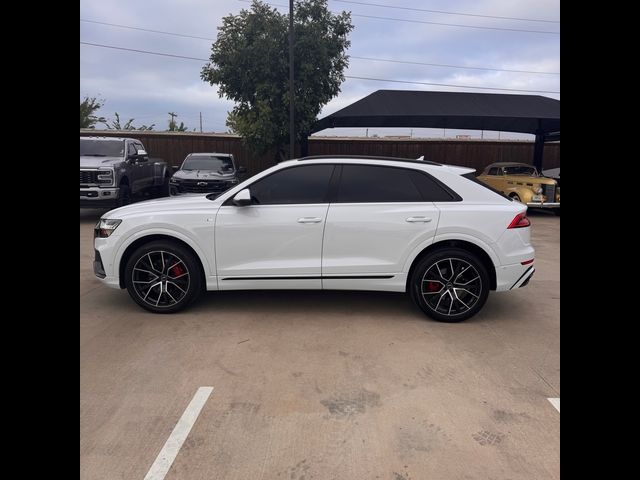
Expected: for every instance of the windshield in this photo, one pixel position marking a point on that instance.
(101, 148)
(521, 170)
(209, 162)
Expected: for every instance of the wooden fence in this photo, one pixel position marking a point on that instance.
(174, 147)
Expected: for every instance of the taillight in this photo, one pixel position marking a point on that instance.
(520, 221)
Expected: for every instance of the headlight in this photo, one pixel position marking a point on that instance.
(105, 176)
(537, 189)
(105, 227)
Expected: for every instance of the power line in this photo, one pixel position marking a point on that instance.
(447, 13)
(145, 29)
(351, 56)
(431, 23)
(346, 76)
(143, 51)
(452, 66)
(450, 85)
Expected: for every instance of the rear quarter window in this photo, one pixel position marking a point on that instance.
(472, 177)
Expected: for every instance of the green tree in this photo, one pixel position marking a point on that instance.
(88, 107)
(250, 64)
(115, 124)
(173, 125)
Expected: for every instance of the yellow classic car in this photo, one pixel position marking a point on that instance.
(524, 184)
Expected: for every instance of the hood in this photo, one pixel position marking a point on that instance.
(163, 205)
(203, 174)
(94, 162)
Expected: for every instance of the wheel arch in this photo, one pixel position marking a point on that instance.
(154, 237)
(525, 194)
(473, 248)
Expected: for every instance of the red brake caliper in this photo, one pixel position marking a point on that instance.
(433, 286)
(176, 270)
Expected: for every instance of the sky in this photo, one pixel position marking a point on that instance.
(146, 87)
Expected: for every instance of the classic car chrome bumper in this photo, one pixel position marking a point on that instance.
(544, 205)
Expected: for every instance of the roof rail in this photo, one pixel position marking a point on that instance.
(368, 157)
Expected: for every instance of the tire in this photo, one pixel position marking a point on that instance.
(162, 190)
(450, 297)
(172, 271)
(124, 197)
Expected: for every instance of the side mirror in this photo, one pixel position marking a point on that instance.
(242, 198)
(242, 169)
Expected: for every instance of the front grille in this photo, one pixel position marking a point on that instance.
(210, 186)
(88, 177)
(549, 192)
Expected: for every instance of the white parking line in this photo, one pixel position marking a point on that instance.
(179, 434)
(555, 402)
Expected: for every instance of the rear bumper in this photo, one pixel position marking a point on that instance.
(544, 205)
(510, 277)
(524, 279)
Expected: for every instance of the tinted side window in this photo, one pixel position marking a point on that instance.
(368, 184)
(307, 184)
(493, 171)
(430, 190)
(131, 149)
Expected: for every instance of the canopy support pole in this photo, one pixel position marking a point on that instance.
(538, 150)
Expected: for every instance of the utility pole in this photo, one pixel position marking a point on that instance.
(411, 134)
(200, 122)
(292, 135)
(481, 134)
(367, 134)
(172, 123)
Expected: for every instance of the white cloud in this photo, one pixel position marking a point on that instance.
(145, 87)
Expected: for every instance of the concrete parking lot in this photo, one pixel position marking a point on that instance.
(323, 385)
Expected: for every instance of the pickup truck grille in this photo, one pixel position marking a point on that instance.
(209, 186)
(549, 192)
(88, 177)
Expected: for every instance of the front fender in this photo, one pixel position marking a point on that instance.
(525, 194)
(205, 238)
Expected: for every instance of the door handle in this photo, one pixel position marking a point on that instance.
(309, 220)
(418, 219)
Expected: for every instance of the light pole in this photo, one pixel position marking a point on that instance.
(292, 136)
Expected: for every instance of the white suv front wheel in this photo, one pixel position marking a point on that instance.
(163, 277)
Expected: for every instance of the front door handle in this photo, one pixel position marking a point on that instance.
(309, 220)
(418, 219)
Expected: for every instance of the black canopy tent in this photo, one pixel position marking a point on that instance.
(532, 114)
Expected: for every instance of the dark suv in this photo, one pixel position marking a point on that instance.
(205, 173)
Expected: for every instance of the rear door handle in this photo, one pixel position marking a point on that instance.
(418, 219)
(309, 220)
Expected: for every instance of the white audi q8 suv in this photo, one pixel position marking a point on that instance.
(334, 223)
